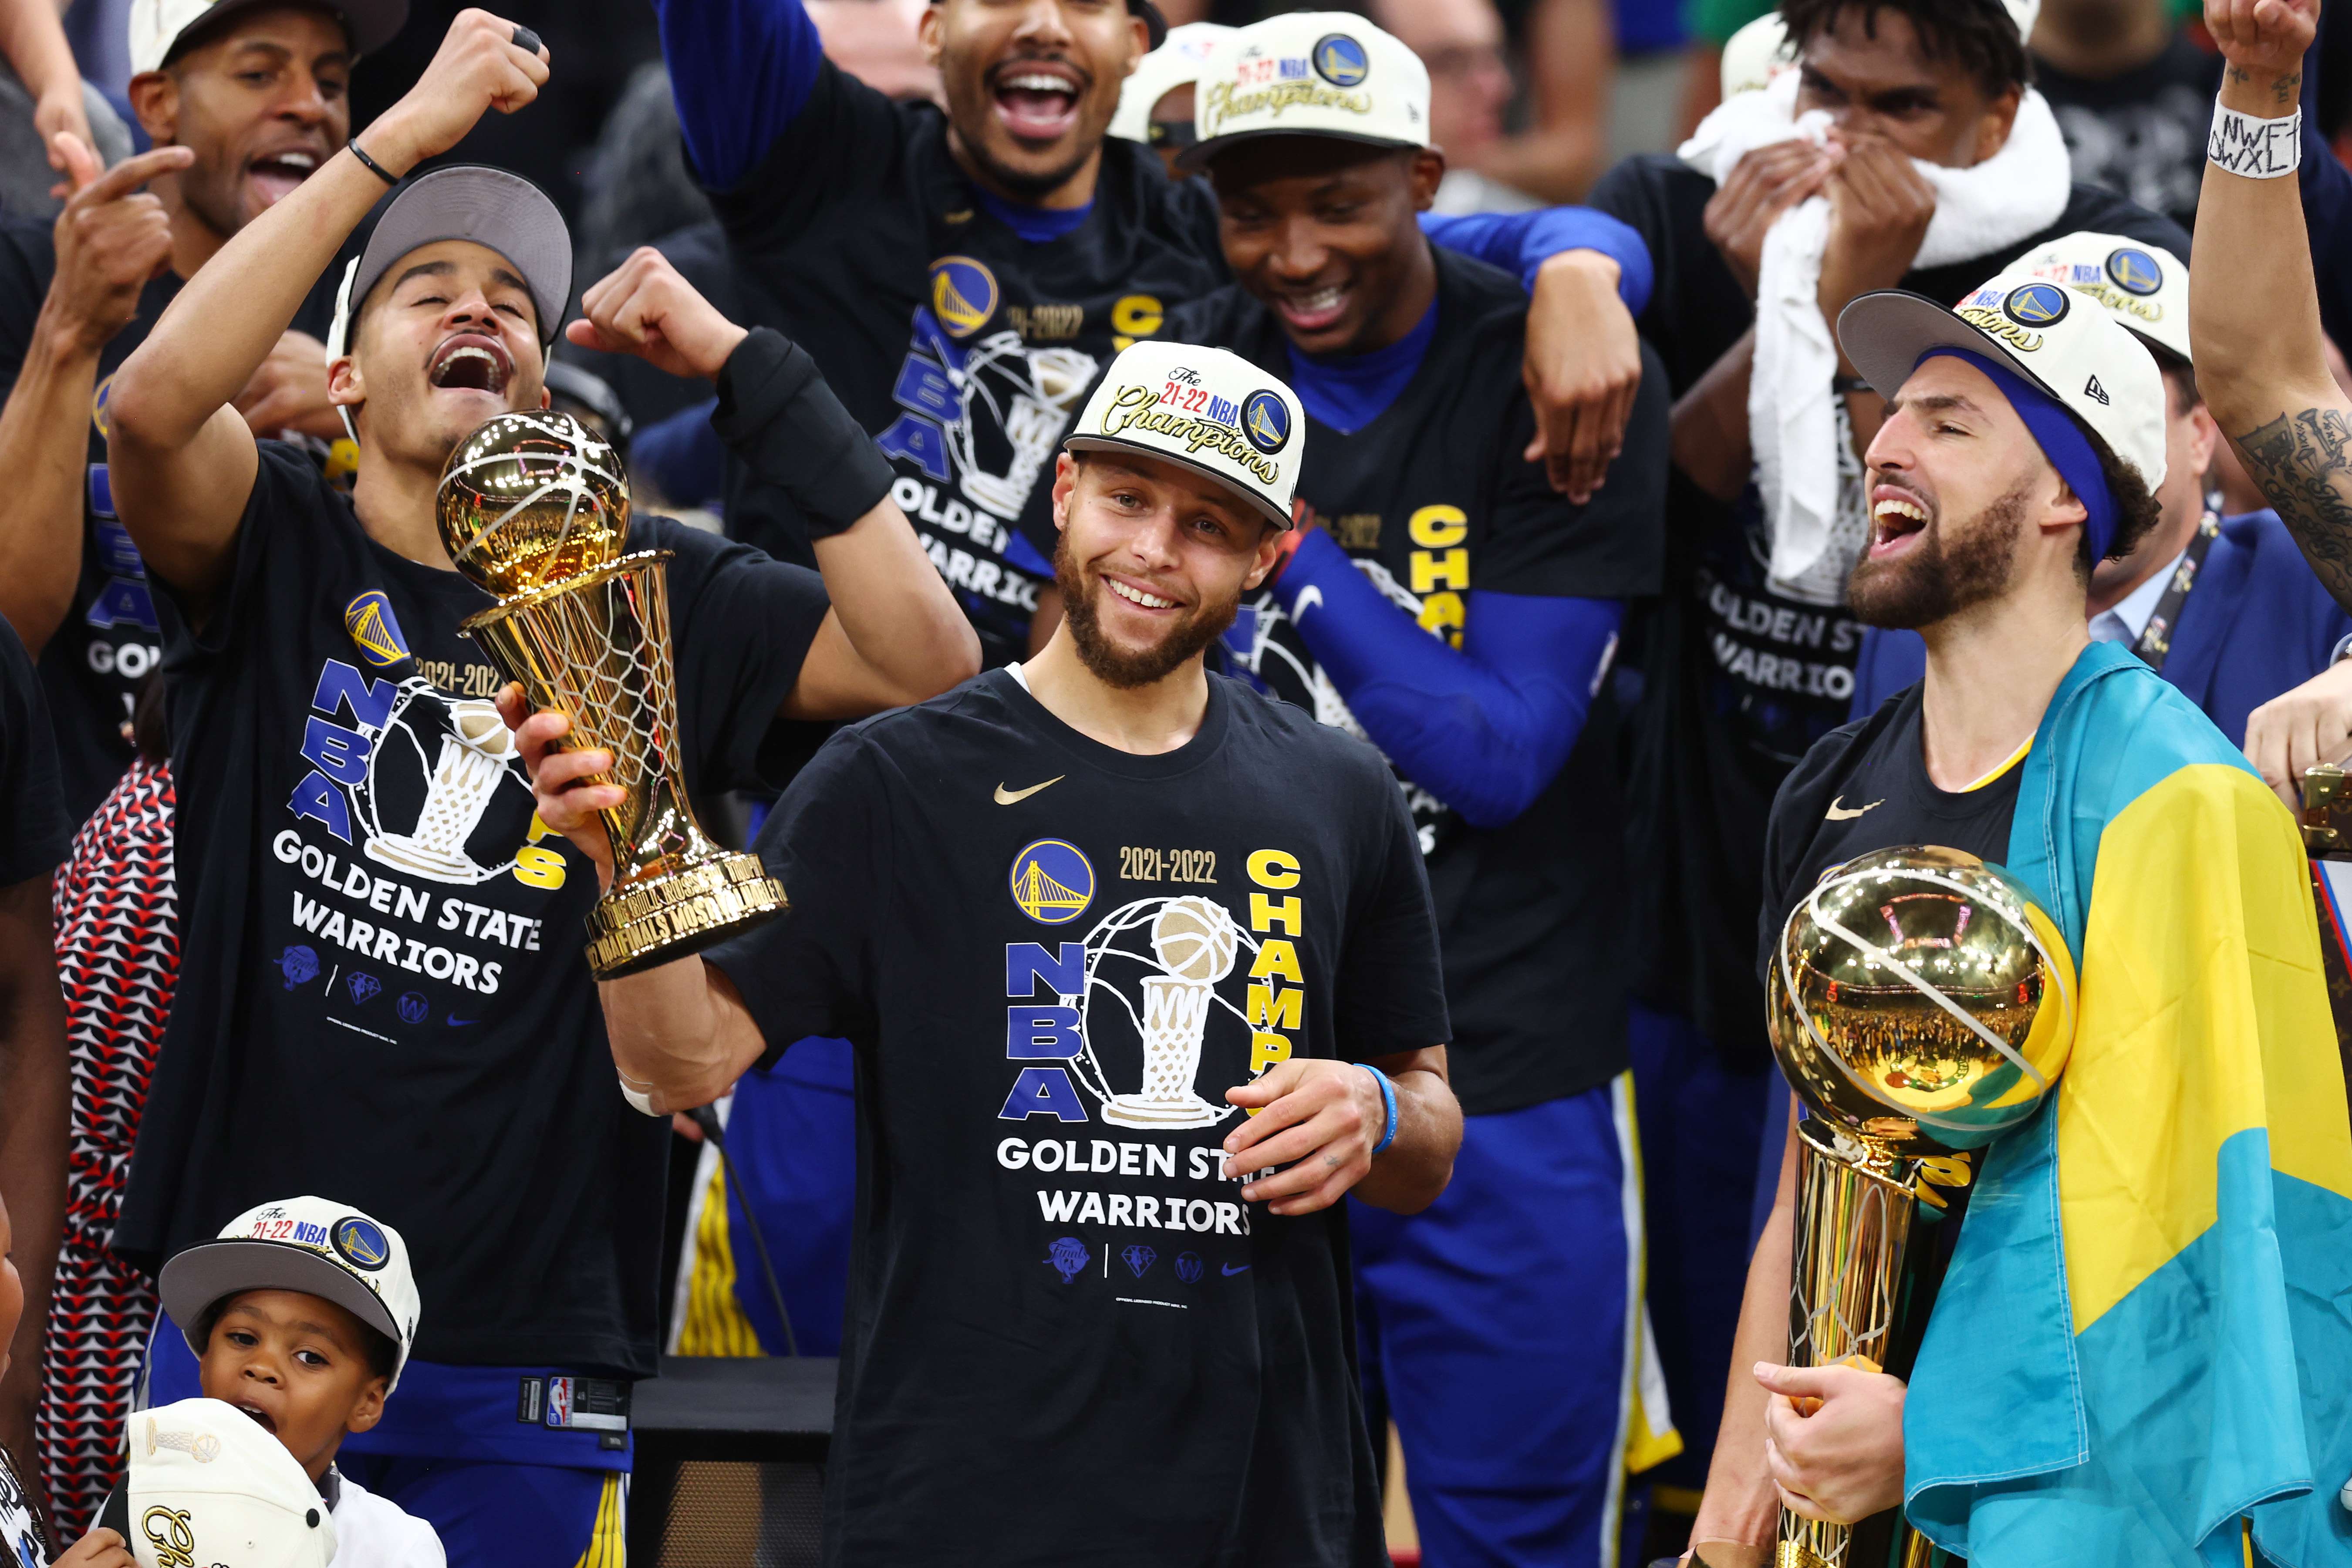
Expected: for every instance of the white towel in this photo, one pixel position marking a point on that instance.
(1805, 469)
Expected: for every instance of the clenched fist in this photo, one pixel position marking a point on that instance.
(478, 67)
(644, 308)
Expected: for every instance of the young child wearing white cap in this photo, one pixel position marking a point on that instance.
(301, 1315)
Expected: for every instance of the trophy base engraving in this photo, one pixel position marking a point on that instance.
(669, 915)
(1135, 1110)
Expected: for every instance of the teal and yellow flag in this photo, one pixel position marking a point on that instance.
(2142, 1352)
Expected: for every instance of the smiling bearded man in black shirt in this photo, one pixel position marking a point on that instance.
(1075, 917)
(383, 993)
(1440, 599)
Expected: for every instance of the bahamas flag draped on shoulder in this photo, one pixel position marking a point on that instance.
(2145, 1332)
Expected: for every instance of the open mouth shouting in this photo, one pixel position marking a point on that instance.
(275, 174)
(472, 362)
(261, 1417)
(1314, 309)
(1897, 517)
(1037, 100)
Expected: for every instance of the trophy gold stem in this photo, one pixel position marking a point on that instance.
(1854, 1206)
(597, 646)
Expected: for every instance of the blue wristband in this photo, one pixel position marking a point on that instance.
(1388, 1098)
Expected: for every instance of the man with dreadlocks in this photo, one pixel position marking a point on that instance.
(1906, 149)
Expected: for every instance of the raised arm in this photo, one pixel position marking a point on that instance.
(2253, 310)
(894, 634)
(110, 239)
(1588, 275)
(740, 70)
(183, 458)
(1484, 727)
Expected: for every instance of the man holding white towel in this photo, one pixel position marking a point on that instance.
(1905, 150)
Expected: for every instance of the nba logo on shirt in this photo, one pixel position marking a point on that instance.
(559, 1401)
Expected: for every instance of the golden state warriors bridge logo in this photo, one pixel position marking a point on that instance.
(963, 294)
(1053, 881)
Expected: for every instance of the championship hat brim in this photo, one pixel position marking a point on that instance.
(1113, 446)
(1884, 332)
(490, 207)
(369, 24)
(1196, 158)
(192, 1280)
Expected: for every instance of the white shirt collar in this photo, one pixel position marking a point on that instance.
(2127, 619)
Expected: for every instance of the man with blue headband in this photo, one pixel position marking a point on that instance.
(2131, 1356)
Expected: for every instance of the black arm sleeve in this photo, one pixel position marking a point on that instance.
(777, 414)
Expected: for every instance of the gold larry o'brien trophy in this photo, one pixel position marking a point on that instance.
(1921, 1004)
(535, 509)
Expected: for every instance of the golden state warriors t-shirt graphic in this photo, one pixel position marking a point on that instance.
(1142, 1024)
(980, 418)
(409, 794)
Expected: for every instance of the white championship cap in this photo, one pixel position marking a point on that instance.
(1210, 411)
(1311, 73)
(311, 1244)
(206, 1485)
(1170, 65)
(2077, 355)
(2145, 287)
(491, 207)
(157, 27)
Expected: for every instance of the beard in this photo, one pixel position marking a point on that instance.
(1127, 668)
(1929, 581)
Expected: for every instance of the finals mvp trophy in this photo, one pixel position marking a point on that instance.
(1921, 1005)
(535, 509)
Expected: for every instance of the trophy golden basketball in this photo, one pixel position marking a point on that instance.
(1921, 1004)
(535, 509)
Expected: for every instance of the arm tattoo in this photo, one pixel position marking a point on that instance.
(2303, 462)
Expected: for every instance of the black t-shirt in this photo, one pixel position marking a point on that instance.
(94, 662)
(1738, 680)
(1434, 501)
(1864, 786)
(383, 993)
(35, 830)
(2140, 134)
(1068, 1339)
(962, 347)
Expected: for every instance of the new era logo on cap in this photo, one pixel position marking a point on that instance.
(1210, 410)
(1311, 73)
(2093, 391)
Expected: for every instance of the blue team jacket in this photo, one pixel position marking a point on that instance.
(2257, 623)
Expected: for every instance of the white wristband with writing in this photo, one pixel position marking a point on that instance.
(2255, 148)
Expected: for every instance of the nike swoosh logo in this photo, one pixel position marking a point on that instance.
(458, 1023)
(1309, 597)
(1231, 1271)
(1016, 796)
(1839, 812)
